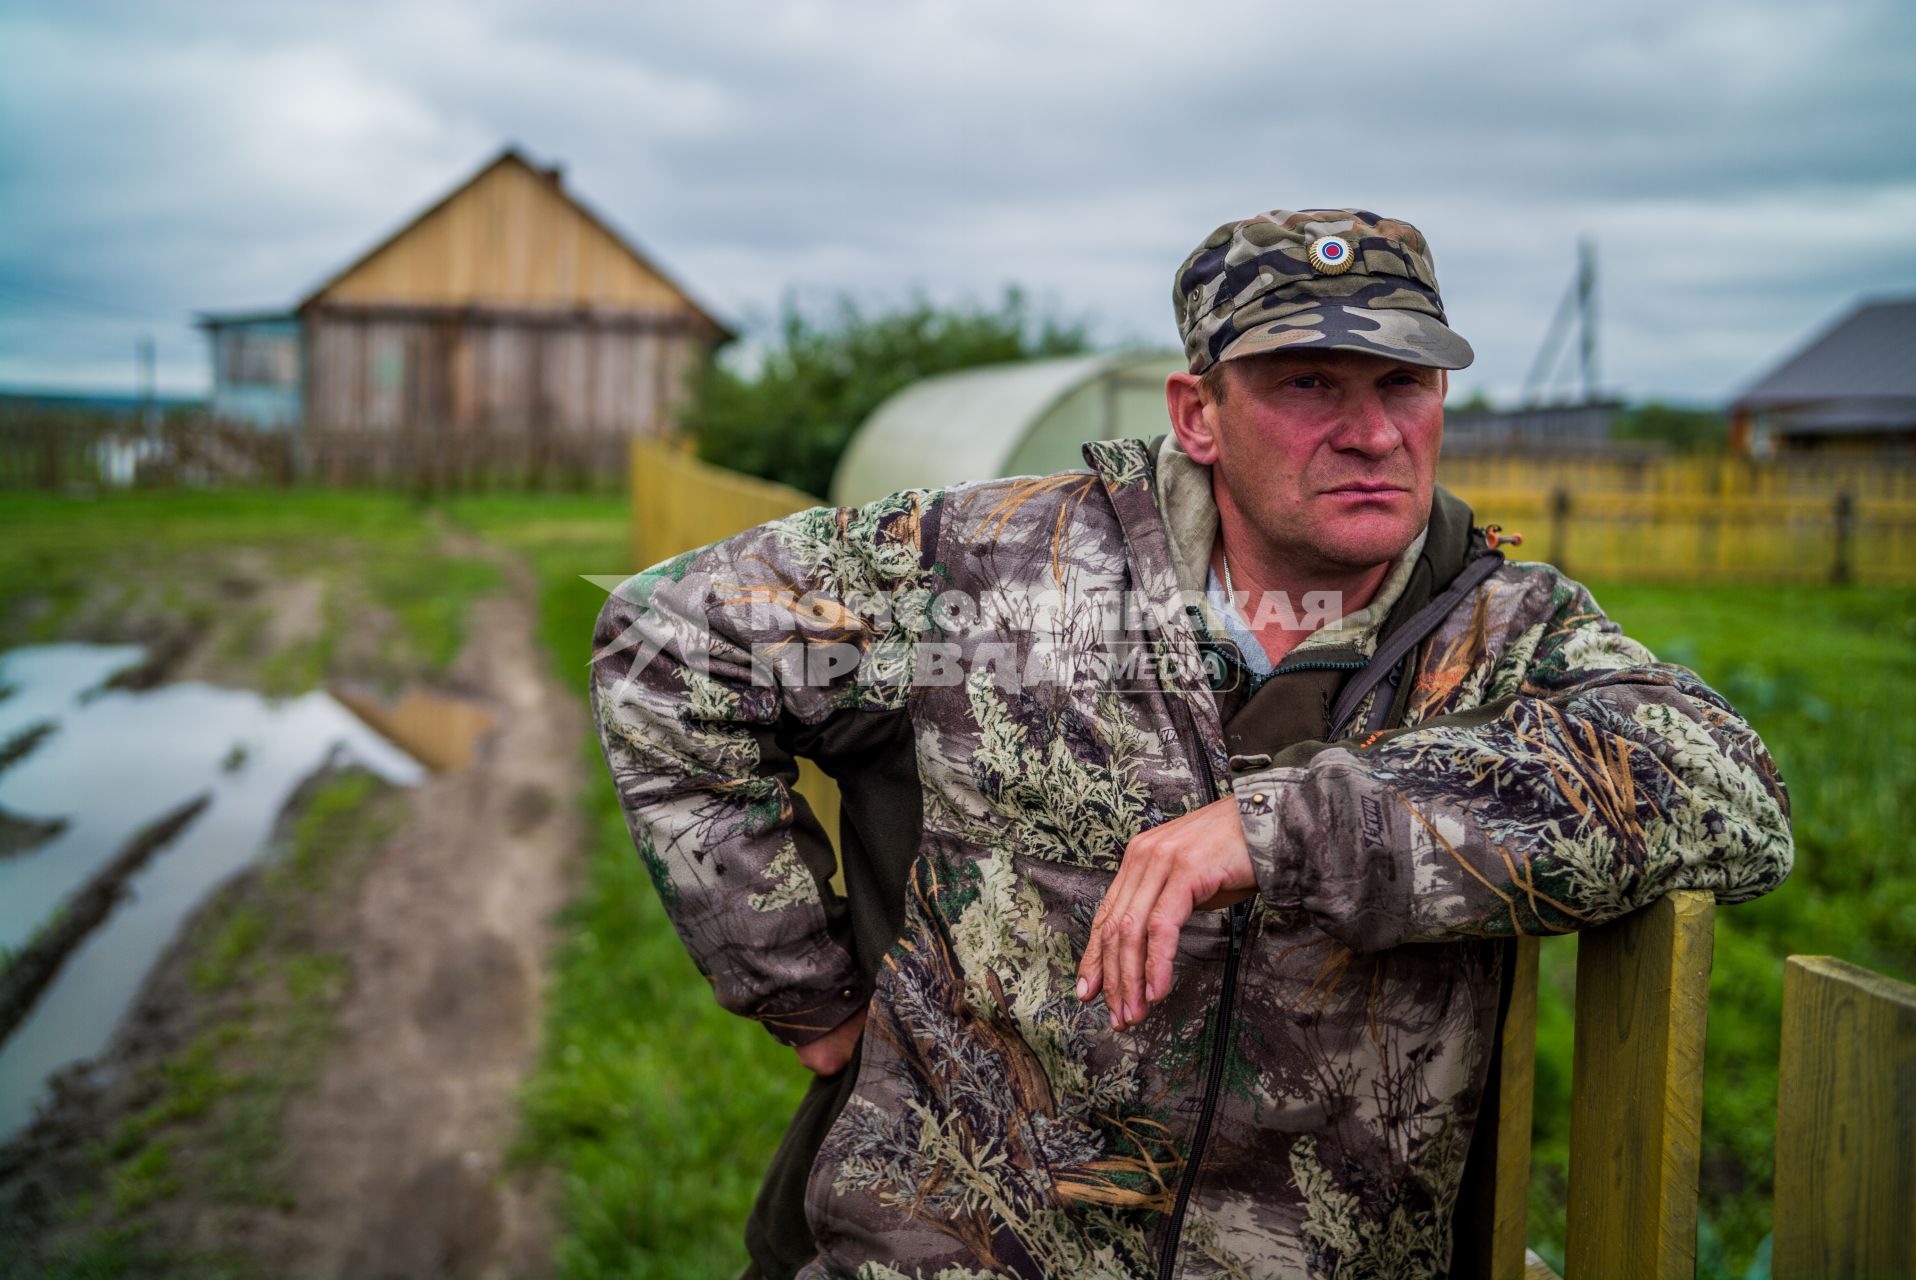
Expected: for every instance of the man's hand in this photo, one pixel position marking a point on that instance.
(1198, 862)
(827, 1055)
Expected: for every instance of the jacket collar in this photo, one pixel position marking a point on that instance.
(1127, 470)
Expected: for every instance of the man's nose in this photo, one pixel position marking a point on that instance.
(1367, 428)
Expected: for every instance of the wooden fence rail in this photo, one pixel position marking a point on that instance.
(66, 450)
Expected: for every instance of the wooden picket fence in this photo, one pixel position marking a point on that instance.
(680, 502)
(433, 459)
(1845, 1127)
(66, 450)
(1700, 519)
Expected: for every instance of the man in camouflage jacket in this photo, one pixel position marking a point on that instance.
(1174, 927)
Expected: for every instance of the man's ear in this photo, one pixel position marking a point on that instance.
(1193, 416)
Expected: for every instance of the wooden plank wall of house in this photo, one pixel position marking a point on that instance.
(505, 335)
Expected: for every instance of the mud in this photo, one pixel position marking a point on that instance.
(394, 1154)
(403, 1137)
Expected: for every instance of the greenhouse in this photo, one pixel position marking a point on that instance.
(1029, 417)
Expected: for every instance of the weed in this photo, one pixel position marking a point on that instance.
(143, 1178)
(219, 964)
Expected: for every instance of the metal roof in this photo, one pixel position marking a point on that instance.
(1869, 354)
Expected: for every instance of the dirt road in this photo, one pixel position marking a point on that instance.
(393, 1156)
(398, 1149)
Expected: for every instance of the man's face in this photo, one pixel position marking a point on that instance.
(1330, 456)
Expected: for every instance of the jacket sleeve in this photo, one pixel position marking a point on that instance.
(703, 666)
(1591, 780)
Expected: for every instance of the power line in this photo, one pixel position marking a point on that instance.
(40, 295)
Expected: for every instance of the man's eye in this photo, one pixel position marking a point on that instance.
(1307, 382)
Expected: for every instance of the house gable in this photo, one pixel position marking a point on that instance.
(510, 238)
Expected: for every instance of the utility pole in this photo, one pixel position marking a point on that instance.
(1579, 307)
(149, 406)
(1587, 314)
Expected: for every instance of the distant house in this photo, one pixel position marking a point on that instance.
(1852, 389)
(508, 317)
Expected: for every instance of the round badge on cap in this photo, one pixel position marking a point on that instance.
(1330, 255)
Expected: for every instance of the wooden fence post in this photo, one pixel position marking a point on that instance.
(1845, 1123)
(1636, 1092)
(1559, 525)
(1845, 534)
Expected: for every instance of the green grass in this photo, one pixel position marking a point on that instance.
(237, 940)
(659, 1109)
(428, 596)
(141, 1179)
(59, 547)
(128, 566)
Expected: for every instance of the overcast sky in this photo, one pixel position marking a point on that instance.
(1746, 170)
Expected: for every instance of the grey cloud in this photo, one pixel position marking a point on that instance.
(169, 158)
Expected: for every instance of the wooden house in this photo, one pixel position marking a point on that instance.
(505, 332)
(1850, 391)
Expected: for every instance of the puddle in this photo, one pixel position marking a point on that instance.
(116, 760)
(440, 731)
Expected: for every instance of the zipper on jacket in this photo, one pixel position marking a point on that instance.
(1321, 665)
(1214, 1080)
(1260, 679)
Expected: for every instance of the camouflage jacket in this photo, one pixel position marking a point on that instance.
(1302, 1101)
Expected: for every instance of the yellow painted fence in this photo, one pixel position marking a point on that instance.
(1699, 519)
(1671, 519)
(678, 503)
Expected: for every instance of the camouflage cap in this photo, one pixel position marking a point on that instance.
(1345, 279)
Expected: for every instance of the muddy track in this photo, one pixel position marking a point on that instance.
(395, 1154)
(397, 1151)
